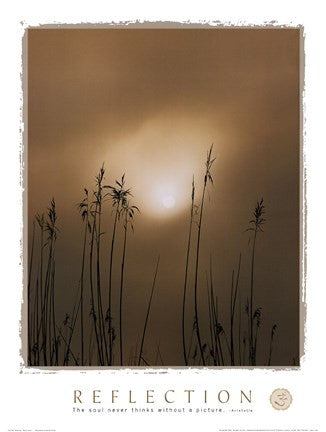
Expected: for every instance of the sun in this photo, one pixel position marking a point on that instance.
(168, 201)
(166, 154)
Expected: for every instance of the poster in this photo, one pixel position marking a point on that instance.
(164, 176)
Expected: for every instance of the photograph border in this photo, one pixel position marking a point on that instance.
(137, 24)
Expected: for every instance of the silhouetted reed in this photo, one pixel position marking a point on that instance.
(94, 313)
(84, 210)
(127, 212)
(42, 332)
(273, 331)
(186, 272)
(140, 358)
(31, 324)
(102, 332)
(227, 338)
(207, 178)
(118, 195)
(256, 227)
(234, 294)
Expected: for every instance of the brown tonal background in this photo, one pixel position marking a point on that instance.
(149, 103)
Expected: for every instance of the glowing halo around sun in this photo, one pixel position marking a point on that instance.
(168, 201)
(159, 161)
(166, 197)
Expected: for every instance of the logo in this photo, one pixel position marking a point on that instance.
(281, 399)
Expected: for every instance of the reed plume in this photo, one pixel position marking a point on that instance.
(118, 195)
(255, 228)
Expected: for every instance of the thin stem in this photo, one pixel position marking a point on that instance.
(98, 273)
(231, 325)
(110, 284)
(258, 221)
(121, 284)
(218, 331)
(147, 314)
(54, 316)
(186, 273)
(233, 304)
(214, 315)
(72, 328)
(29, 299)
(196, 275)
(191, 342)
(251, 336)
(66, 343)
(41, 287)
(211, 325)
(207, 177)
(239, 334)
(271, 345)
(100, 357)
(82, 291)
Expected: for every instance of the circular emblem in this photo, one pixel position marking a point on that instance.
(281, 399)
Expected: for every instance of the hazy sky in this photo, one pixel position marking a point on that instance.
(149, 103)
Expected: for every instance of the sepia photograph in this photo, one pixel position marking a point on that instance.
(163, 189)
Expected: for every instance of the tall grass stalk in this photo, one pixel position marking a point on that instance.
(30, 317)
(119, 196)
(207, 178)
(41, 222)
(35, 339)
(193, 331)
(234, 294)
(147, 314)
(128, 212)
(49, 283)
(247, 311)
(74, 316)
(186, 272)
(93, 213)
(239, 332)
(210, 322)
(91, 344)
(271, 344)
(218, 331)
(67, 345)
(215, 324)
(257, 318)
(46, 318)
(55, 349)
(84, 209)
(256, 227)
(102, 332)
(121, 286)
